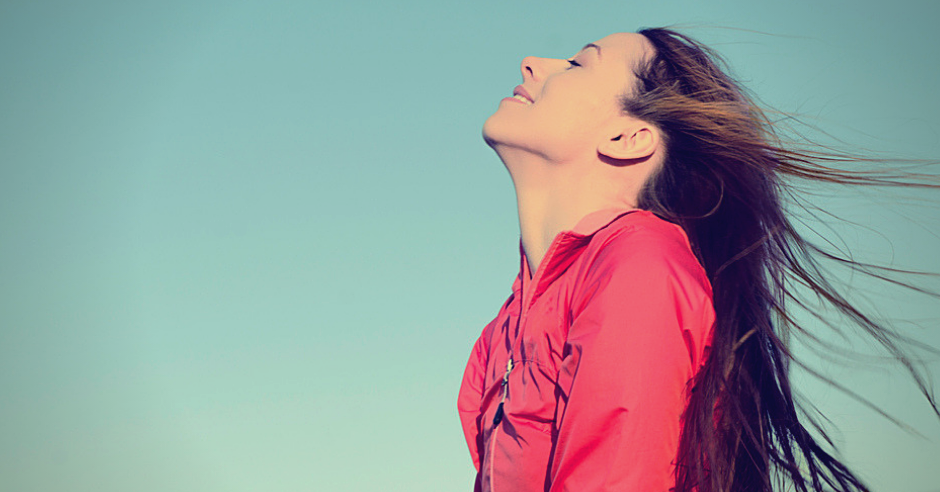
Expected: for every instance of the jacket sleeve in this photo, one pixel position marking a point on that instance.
(639, 325)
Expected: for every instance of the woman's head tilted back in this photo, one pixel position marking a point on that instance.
(566, 118)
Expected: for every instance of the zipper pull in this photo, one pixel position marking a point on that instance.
(498, 417)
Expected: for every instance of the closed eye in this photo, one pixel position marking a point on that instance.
(573, 63)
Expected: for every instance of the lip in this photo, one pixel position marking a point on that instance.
(520, 91)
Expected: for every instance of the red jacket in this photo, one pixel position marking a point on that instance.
(604, 340)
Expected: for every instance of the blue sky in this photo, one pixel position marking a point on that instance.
(248, 245)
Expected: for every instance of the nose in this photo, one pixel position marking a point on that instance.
(534, 68)
(528, 67)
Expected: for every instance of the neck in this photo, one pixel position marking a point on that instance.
(554, 198)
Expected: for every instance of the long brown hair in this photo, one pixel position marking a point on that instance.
(725, 176)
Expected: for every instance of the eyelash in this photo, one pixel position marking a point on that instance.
(573, 63)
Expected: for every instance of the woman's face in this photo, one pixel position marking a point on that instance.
(563, 107)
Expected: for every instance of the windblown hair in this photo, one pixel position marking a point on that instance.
(724, 178)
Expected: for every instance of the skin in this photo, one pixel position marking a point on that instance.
(573, 151)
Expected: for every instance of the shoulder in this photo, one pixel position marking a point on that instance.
(642, 244)
(641, 258)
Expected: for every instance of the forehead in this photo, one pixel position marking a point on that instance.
(628, 46)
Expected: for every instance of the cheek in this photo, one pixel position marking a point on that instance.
(572, 117)
(584, 104)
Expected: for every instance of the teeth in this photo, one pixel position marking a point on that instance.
(522, 99)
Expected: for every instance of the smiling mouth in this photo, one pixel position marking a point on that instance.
(520, 94)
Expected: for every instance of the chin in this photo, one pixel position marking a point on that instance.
(495, 130)
(488, 135)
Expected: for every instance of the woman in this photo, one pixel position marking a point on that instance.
(642, 346)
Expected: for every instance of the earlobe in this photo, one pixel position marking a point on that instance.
(636, 142)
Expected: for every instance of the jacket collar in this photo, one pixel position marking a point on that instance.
(595, 221)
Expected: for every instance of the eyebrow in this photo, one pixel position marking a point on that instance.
(592, 45)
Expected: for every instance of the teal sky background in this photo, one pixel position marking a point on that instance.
(247, 245)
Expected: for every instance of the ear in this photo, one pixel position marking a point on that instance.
(630, 140)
